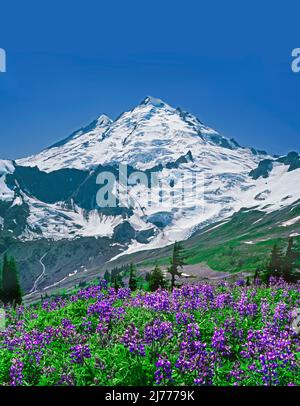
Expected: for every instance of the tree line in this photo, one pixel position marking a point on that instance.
(281, 263)
(154, 280)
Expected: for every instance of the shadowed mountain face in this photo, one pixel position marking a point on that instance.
(49, 201)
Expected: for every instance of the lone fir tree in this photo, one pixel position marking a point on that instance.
(177, 261)
(117, 281)
(132, 284)
(107, 276)
(288, 262)
(156, 279)
(10, 286)
(274, 266)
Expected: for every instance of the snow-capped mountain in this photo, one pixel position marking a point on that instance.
(152, 133)
(52, 195)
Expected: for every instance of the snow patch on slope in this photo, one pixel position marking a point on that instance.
(6, 194)
(290, 222)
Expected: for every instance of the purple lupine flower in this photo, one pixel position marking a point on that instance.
(79, 353)
(87, 325)
(219, 342)
(193, 331)
(237, 374)
(66, 380)
(132, 340)
(193, 356)
(223, 300)
(16, 372)
(184, 318)
(231, 328)
(123, 293)
(281, 314)
(158, 330)
(102, 328)
(265, 308)
(163, 373)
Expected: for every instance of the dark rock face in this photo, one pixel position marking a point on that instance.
(292, 159)
(263, 169)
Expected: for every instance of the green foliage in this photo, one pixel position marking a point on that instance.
(10, 287)
(157, 279)
(289, 262)
(282, 264)
(133, 283)
(107, 276)
(117, 281)
(274, 268)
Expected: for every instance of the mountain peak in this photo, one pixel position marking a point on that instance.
(150, 134)
(154, 101)
(103, 120)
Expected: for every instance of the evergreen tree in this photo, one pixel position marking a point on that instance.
(1, 291)
(118, 281)
(113, 276)
(132, 284)
(107, 276)
(274, 268)
(11, 291)
(4, 274)
(17, 293)
(157, 279)
(177, 261)
(288, 262)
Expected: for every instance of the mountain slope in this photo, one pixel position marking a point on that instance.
(242, 242)
(79, 150)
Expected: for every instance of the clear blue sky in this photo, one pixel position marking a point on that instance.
(226, 62)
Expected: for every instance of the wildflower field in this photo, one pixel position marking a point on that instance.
(225, 334)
